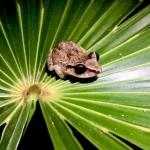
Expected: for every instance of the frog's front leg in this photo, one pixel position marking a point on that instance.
(59, 71)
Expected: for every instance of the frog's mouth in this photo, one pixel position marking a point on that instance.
(87, 74)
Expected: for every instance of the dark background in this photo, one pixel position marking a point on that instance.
(36, 136)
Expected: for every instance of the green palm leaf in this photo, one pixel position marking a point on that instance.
(109, 111)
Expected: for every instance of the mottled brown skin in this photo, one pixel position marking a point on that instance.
(66, 56)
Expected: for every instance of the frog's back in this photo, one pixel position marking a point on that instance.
(68, 52)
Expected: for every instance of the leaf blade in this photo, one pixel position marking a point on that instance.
(61, 135)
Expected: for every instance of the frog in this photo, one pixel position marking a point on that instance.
(70, 59)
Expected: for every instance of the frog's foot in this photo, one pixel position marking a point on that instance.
(50, 67)
(50, 63)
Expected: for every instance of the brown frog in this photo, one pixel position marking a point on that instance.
(68, 58)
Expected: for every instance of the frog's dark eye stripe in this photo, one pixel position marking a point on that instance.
(80, 68)
(93, 55)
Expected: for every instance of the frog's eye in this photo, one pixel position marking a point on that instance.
(93, 55)
(80, 68)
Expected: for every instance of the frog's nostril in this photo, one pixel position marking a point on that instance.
(100, 70)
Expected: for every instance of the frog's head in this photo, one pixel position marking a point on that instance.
(87, 69)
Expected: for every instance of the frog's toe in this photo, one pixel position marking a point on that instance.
(50, 67)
